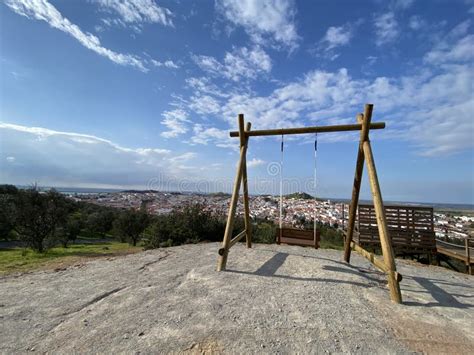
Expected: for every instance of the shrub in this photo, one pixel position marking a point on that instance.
(190, 224)
(264, 232)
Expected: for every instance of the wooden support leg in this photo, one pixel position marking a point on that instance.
(233, 202)
(248, 225)
(468, 257)
(385, 241)
(364, 133)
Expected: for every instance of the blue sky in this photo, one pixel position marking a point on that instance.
(142, 93)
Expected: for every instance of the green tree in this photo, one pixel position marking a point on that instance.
(131, 224)
(7, 215)
(100, 221)
(71, 228)
(38, 215)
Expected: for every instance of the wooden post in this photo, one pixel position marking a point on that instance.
(385, 241)
(364, 134)
(233, 202)
(343, 211)
(468, 257)
(248, 225)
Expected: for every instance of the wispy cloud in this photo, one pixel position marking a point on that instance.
(59, 158)
(42, 10)
(240, 63)
(457, 46)
(335, 37)
(416, 23)
(253, 163)
(137, 12)
(386, 28)
(176, 121)
(402, 4)
(167, 64)
(265, 21)
(411, 104)
(205, 135)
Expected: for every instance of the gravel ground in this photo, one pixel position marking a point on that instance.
(272, 299)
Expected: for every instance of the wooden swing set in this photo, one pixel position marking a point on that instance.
(364, 124)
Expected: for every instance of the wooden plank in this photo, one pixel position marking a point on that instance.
(452, 253)
(298, 237)
(387, 250)
(221, 264)
(296, 241)
(299, 233)
(364, 134)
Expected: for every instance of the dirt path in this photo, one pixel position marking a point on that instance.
(271, 299)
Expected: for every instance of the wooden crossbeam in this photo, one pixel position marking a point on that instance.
(304, 130)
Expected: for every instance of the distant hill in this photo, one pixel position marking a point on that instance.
(139, 191)
(300, 196)
(219, 194)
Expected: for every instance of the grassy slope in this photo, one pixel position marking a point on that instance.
(21, 260)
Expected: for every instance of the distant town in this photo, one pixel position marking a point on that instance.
(297, 208)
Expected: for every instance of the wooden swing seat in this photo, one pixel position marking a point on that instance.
(301, 237)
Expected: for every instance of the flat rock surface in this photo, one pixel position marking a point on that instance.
(271, 299)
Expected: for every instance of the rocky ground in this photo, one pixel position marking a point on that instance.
(272, 299)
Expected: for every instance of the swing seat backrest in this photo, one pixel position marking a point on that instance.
(293, 236)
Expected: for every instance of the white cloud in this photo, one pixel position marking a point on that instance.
(218, 137)
(402, 4)
(386, 28)
(273, 19)
(167, 64)
(416, 23)
(462, 51)
(10, 159)
(255, 162)
(204, 85)
(58, 158)
(337, 36)
(407, 102)
(184, 157)
(371, 60)
(240, 63)
(42, 10)
(176, 120)
(137, 11)
(204, 104)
